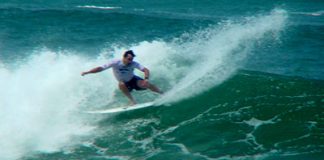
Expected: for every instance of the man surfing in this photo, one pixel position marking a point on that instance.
(123, 70)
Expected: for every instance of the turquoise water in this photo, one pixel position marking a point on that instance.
(242, 79)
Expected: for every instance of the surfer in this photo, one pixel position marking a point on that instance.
(123, 70)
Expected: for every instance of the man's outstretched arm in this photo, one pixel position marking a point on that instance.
(94, 70)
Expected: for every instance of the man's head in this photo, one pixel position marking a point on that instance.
(128, 56)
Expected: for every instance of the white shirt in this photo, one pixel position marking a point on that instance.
(121, 71)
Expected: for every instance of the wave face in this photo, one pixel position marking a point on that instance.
(239, 83)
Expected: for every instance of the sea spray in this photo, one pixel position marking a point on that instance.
(220, 51)
(195, 62)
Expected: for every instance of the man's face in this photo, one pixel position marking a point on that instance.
(128, 59)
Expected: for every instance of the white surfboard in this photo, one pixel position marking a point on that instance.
(123, 109)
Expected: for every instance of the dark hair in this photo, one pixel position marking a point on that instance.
(129, 52)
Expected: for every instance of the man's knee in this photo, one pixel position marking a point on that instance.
(142, 84)
(122, 85)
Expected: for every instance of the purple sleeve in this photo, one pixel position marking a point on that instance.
(108, 65)
(138, 66)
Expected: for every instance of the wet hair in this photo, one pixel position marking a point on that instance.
(129, 52)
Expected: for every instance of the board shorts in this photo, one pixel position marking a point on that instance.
(132, 84)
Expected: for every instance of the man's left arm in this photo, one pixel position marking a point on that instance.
(143, 69)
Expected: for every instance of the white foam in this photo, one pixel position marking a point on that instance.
(99, 7)
(38, 103)
(256, 122)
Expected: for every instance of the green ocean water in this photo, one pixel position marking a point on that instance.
(242, 79)
(280, 119)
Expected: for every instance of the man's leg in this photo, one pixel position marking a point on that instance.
(154, 88)
(124, 89)
(150, 86)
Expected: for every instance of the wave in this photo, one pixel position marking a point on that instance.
(241, 118)
(39, 102)
(236, 120)
(99, 7)
(317, 13)
(42, 96)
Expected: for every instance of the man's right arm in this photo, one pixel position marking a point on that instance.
(100, 68)
(94, 70)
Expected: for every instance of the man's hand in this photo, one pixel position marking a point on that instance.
(84, 73)
(146, 83)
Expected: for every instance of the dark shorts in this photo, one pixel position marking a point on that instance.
(132, 84)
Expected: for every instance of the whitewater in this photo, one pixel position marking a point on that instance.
(43, 95)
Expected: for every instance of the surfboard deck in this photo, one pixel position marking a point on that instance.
(122, 109)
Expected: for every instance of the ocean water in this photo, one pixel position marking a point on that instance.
(242, 79)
